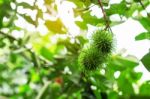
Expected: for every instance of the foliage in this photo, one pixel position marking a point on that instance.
(39, 65)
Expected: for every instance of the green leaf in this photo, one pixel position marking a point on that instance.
(124, 84)
(145, 22)
(135, 76)
(55, 26)
(46, 53)
(24, 88)
(142, 36)
(97, 94)
(133, 7)
(121, 63)
(25, 5)
(127, 62)
(78, 3)
(104, 2)
(89, 19)
(145, 89)
(29, 19)
(1, 21)
(1, 2)
(86, 2)
(100, 81)
(82, 40)
(48, 1)
(2, 43)
(13, 58)
(34, 76)
(115, 23)
(120, 9)
(136, 0)
(113, 95)
(82, 25)
(40, 13)
(146, 61)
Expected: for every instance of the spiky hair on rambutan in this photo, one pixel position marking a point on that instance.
(103, 41)
(90, 59)
(98, 51)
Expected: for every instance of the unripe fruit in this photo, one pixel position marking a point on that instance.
(103, 41)
(90, 59)
(98, 52)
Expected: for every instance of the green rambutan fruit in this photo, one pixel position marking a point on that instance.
(98, 51)
(103, 41)
(90, 59)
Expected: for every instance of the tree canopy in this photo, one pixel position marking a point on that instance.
(41, 42)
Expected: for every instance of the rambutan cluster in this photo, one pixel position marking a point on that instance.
(99, 50)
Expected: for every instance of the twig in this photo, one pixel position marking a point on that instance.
(144, 7)
(33, 55)
(8, 36)
(84, 9)
(41, 93)
(105, 16)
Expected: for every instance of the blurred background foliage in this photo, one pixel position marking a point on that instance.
(35, 64)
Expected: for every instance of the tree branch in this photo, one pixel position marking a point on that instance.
(42, 91)
(105, 16)
(33, 55)
(144, 7)
(8, 36)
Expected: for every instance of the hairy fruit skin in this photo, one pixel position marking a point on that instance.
(103, 41)
(98, 51)
(91, 59)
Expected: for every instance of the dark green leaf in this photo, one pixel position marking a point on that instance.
(25, 5)
(136, 0)
(29, 19)
(2, 44)
(146, 61)
(145, 89)
(120, 9)
(142, 36)
(124, 84)
(135, 76)
(145, 22)
(113, 95)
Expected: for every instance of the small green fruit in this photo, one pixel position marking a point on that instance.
(90, 59)
(103, 40)
(98, 52)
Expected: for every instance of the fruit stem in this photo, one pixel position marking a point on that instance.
(105, 16)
